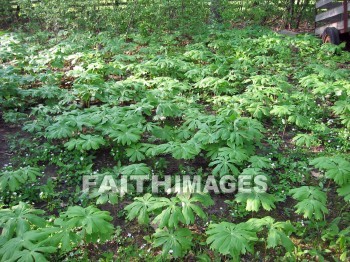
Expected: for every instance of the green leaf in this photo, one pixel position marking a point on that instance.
(19, 219)
(33, 127)
(190, 209)
(63, 235)
(140, 208)
(136, 152)
(282, 110)
(255, 200)
(311, 208)
(308, 192)
(312, 202)
(105, 196)
(224, 166)
(277, 232)
(171, 214)
(94, 222)
(206, 136)
(258, 110)
(136, 169)
(344, 191)
(183, 150)
(92, 142)
(30, 246)
(304, 140)
(299, 120)
(235, 153)
(165, 133)
(260, 162)
(124, 135)
(175, 242)
(341, 107)
(85, 142)
(337, 168)
(14, 180)
(167, 109)
(231, 239)
(59, 130)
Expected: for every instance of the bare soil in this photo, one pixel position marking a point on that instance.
(5, 131)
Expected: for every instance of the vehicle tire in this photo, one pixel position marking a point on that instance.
(331, 35)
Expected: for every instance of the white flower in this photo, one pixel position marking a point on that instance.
(171, 251)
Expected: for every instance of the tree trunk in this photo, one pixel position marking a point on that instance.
(215, 8)
(306, 3)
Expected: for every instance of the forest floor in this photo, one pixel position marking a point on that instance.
(6, 130)
(228, 102)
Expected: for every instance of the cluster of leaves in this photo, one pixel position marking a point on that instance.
(312, 202)
(27, 236)
(169, 215)
(13, 180)
(210, 99)
(237, 239)
(226, 238)
(338, 169)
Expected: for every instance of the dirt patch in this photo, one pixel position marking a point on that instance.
(5, 131)
(104, 159)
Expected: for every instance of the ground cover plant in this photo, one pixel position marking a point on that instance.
(223, 102)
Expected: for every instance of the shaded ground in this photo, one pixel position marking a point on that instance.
(5, 130)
